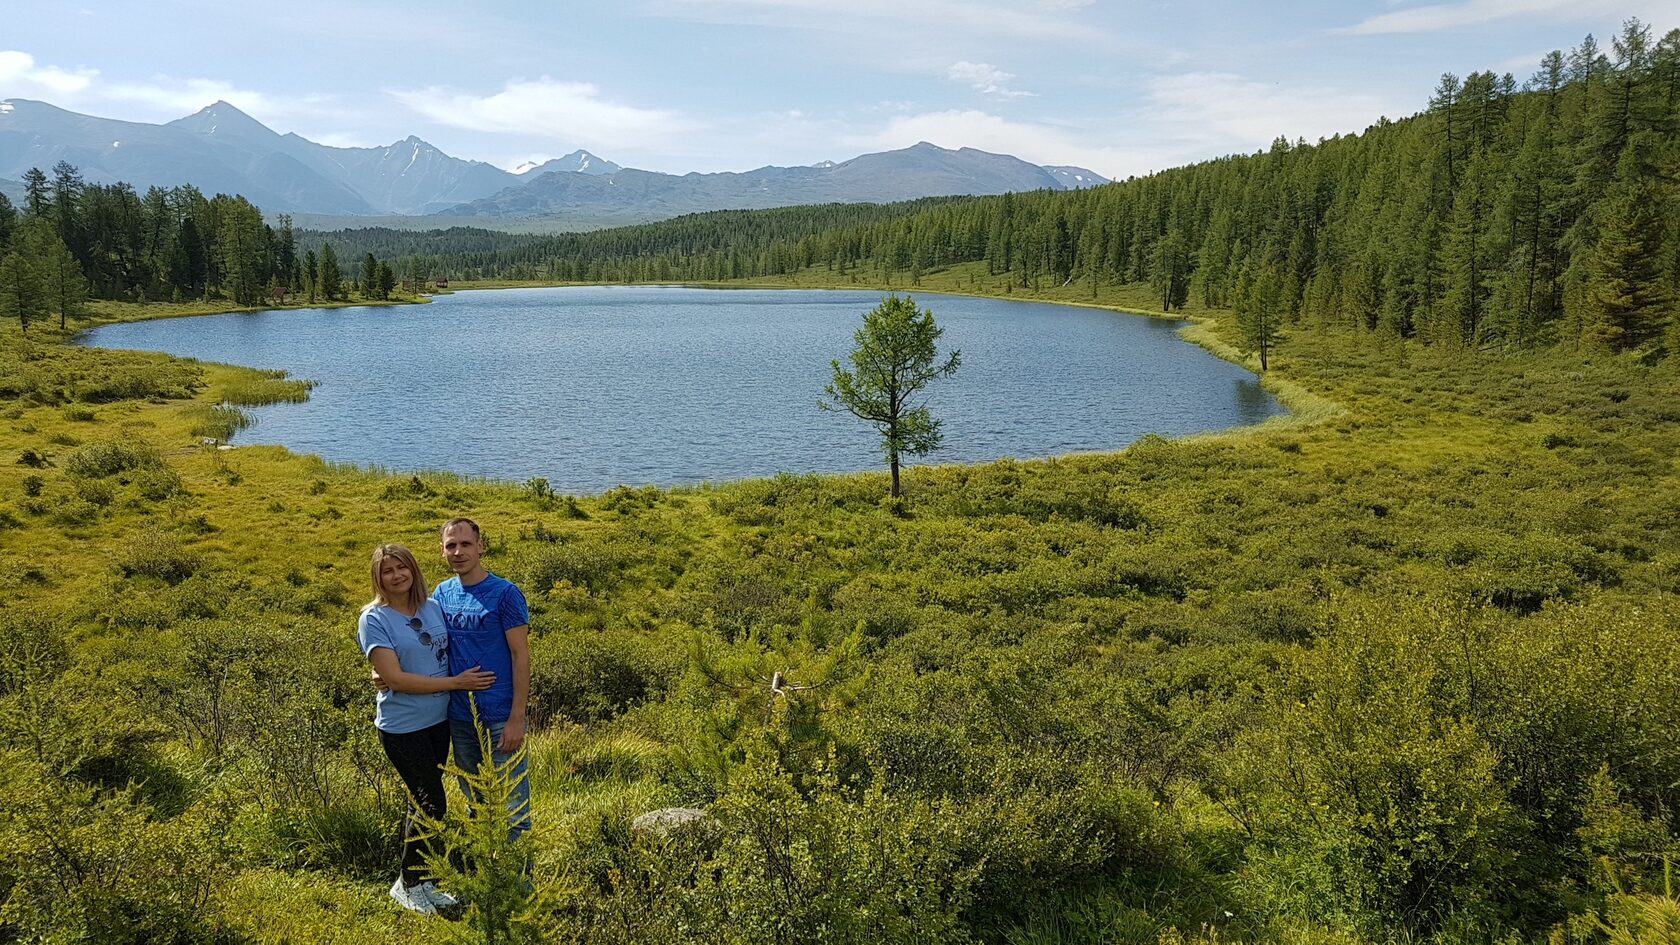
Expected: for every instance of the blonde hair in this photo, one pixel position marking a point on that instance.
(416, 590)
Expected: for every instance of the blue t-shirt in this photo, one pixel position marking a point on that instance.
(479, 618)
(423, 652)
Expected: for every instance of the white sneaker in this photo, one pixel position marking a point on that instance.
(438, 897)
(412, 898)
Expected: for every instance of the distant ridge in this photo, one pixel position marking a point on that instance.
(922, 170)
(220, 149)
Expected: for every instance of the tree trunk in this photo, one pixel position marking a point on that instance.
(892, 460)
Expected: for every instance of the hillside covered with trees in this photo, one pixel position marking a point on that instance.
(1506, 215)
(71, 241)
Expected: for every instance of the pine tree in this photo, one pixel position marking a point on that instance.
(1466, 261)
(894, 358)
(36, 199)
(23, 285)
(8, 222)
(370, 277)
(1626, 298)
(1260, 310)
(67, 190)
(243, 241)
(1169, 272)
(311, 275)
(187, 267)
(332, 278)
(286, 261)
(61, 276)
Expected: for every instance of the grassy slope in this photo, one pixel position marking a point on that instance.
(1405, 471)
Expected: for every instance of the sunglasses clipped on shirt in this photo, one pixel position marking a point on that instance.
(441, 652)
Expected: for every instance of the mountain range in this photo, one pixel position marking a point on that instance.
(220, 149)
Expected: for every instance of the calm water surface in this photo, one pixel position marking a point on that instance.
(595, 386)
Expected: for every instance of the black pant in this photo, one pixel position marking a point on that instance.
(419, 758)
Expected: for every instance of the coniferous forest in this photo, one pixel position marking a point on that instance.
(1505, 216)
(1403, 666)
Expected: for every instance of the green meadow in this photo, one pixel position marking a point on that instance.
(1400, 666)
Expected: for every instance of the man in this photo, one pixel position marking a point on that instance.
(489, 627)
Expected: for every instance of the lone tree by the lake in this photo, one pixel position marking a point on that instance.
(895, 357)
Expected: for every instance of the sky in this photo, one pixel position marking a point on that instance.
(1121, 88)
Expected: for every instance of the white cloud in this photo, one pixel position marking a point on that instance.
(341, 139)
(562, 111)
(184, 96)
(1182, 119)
(20, 77)
(1223, 112)
(986, 78)
(1445, 16)
(1043, 18)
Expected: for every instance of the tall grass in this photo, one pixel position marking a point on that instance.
(260, 388)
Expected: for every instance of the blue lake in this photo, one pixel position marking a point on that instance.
(591, 387)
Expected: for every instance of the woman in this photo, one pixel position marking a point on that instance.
(402, 633)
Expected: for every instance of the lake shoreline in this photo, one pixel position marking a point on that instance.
(1085, 403)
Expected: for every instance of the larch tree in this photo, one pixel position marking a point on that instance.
(37, 198)
(370, 277)
(332, 277)
(65, 286)
(8, 222)
(23, 289)
(1260, 311)
(1169, 273)
(311, 275)
(895, 356)
(1627, 302)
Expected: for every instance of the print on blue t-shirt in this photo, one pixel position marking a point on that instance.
(423, 652)
(479, 618)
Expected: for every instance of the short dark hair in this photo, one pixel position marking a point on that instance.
(477, 532)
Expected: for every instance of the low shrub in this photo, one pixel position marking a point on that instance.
(587, 676)
(585, 562)
(158, 483)
(155, 553)
(109, 457)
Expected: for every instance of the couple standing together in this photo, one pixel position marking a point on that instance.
(433, 658)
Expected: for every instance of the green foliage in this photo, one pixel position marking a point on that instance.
(594, 676)
(476, 857)
(1643, 919)
(835, 862)
(894, 358)
(588, 562)
(1380, 801)
(159, 554)
(79, 866)
(110, 457)
(59, 374)
(218, 422)
(260, 388)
